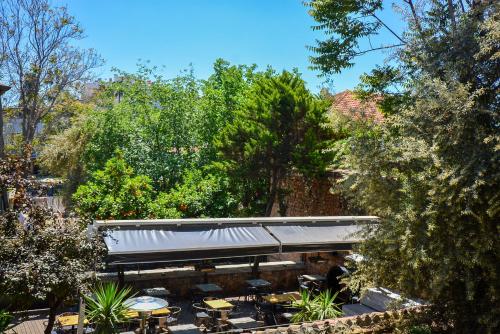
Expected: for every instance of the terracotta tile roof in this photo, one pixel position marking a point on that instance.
(349, 104)
(376, 322)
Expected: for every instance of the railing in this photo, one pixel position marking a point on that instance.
(249, 220)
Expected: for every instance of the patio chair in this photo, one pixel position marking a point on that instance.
(251, 293)
(265, 312)
(201, 315)
(173, 317)
(197, 307)
(221, 322)
(196, 295)
(303, 285)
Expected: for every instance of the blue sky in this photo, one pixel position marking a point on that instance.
(175, 33)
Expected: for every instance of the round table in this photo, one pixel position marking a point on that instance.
(143, 305)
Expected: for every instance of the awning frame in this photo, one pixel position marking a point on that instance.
(207, 223)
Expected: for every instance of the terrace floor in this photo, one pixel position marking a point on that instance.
(35, 324)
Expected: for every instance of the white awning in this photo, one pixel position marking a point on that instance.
(165, 244)
(144, 241)
(315, 236)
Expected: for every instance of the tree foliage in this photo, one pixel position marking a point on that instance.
(42, 256)
(281, 128)
(430, 171)
(344, 23)
(115, 193)
(40, 62)
(202, 193)
(165, 130)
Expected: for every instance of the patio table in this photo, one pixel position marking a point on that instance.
(282, 298)
(258, 283)
(144, 305)
(312, 278)
(208, 287)
(217, 304)
(70, 320)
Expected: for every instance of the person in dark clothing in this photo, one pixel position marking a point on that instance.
(333, 281)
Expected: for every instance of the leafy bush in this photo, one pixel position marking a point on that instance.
(200, 195)
(5, 319)
(419, 329)
(115, 193)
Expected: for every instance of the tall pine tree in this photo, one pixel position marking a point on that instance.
(281, 129)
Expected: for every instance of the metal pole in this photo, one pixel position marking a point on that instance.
(121, 277)
(81, 316)
(255, 267)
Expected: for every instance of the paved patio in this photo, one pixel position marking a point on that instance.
(35, 324)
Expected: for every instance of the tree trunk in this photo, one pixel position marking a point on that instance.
(2, 144)
(273, 190)
(451, 14)
(29, 127)
(54, 304)
(4, 196)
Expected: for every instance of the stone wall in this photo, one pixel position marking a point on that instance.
(231, 278)
(310, 198)
(179, 281)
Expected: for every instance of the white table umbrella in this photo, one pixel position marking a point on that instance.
(145, 303)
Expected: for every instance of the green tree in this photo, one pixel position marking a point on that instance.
(41, 62)
(5, 319)
(223, 93)
(164, 128)
(431, 169)
(201, 194)
(42, 256)
(280, 129)
(115, 193)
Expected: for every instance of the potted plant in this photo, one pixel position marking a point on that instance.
(106, 307)
(320, 307)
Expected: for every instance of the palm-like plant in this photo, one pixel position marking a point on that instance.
(5, 318)
(320, 307)
(106, 308)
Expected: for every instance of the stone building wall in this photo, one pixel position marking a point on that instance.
(231, 278)
(310, 198)
(179, 281)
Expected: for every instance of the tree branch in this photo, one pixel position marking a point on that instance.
(416, 19)
(360, 53)
(451, 14)
(387, 27)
